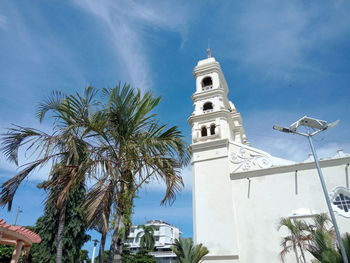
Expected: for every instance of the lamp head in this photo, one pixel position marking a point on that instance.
(282, 129)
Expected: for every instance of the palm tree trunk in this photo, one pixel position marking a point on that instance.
(302, 252)
(102, 247)
(59, 236)
(296, 252)
(115, 250)
(124, 211)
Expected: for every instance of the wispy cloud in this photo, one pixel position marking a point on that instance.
(128, 23)
(279, 38)
(157, 185)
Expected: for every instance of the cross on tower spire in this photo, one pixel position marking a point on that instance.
(209, 52)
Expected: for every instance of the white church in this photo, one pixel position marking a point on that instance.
(240, 192)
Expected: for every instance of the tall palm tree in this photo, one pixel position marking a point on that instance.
(296, 239)
(134, 148)
(121, 142)
(65, 149)
(146, 236)
(187, 252)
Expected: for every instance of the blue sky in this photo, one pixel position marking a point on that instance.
(281, 59)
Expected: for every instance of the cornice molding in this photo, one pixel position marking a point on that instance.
(214, 114)
(208, 93)
(209, 145)
(289, 168)
(205, 68)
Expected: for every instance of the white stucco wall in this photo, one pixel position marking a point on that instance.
(214, 208)
(273, 195)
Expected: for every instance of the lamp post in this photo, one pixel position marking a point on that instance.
(17, 214)
(94, 250)
(317, 126)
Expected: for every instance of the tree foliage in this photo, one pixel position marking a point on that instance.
(317, 238)
(187, 252)
(6, 253)
(141, 256)
(146, 236)
(74, 232)
(297, 240)
(118, 141)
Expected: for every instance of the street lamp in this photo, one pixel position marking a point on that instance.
(17, 214)
(317, 126)
(94, 250)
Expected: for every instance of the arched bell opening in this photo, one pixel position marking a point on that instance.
(208, 106)
(204, 131)
(207, 83)
(212, 129)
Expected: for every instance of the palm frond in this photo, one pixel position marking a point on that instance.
(9, 188)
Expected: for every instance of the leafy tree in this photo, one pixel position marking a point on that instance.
(141, 256)
(74, 231)
(146, 236)
(84, 256)
(187, 252)
(6, 253)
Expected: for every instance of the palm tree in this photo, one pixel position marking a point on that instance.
(133, 148)
(296, 239)
(146, 236)
(187, 252)
(101, 208)
(323, 247)
(323, 241)
(120, 142)
(65, 149)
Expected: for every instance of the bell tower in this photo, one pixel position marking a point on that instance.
(214, 116)
(215, 123)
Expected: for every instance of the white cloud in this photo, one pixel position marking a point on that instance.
(155, 185)
(276, 37)
(3, 22)
(126, 22)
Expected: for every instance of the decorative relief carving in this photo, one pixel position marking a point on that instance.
(246, 160)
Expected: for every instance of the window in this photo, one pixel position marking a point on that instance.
(207, 83)
(342, 202)
(340, 198)
(212, 129)
(204, 131)
(208, 106)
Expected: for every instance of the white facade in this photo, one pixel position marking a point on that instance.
(240, 192)
(164, 234)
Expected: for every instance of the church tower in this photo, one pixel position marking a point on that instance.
(240, 192)
(220, 150)
(214, 116)
(215, 123)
